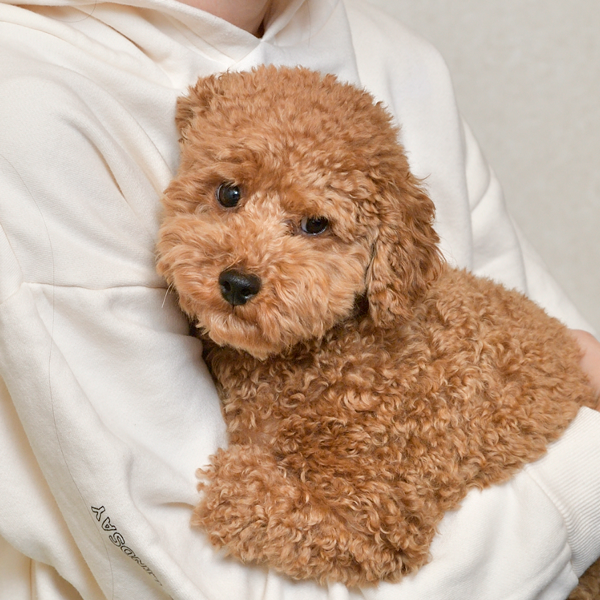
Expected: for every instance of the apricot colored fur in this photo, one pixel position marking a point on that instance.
(368, 386)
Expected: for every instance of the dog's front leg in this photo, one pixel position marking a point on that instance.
(260, 514)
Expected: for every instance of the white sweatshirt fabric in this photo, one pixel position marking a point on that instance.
(106, 409)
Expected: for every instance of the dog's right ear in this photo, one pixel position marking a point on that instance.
(200, 99)
(406, 257)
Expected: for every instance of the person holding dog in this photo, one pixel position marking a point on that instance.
(106, 408)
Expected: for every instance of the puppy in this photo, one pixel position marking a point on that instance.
(367, 386)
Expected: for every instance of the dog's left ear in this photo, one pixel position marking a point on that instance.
(405, 258)
(200, 98)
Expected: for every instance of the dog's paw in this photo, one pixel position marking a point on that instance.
(243, 495)
(259, 514)
(256, 513)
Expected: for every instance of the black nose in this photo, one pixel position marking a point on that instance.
(237, 287)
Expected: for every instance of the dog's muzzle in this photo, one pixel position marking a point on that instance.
(237, 287)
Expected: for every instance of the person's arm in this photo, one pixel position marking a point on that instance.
(590, 361)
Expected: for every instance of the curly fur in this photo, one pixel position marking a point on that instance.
(368, 386)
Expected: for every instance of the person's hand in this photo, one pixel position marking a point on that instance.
(590, 360)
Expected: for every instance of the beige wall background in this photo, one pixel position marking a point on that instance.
(527, 79)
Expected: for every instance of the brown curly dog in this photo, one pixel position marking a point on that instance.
(367, 386)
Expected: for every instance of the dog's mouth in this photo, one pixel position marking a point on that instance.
(258, 328)
(269, 323)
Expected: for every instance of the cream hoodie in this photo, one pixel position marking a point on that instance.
(106, 409)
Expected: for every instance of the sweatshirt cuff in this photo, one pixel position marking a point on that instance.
(569, 474)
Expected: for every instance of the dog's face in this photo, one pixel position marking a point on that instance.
(292, 201)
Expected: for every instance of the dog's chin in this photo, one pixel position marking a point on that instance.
(253, 345)
(247, 338)
(263, 339)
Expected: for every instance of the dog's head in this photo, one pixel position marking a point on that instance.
(293, 200)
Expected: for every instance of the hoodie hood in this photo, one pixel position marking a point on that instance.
(296, 32)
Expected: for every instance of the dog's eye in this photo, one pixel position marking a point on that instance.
(228, 194)
(314, 225)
